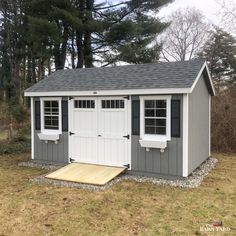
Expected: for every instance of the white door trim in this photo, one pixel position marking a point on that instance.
(70, 103)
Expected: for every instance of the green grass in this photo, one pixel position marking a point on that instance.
(127, 208)
(3, 135)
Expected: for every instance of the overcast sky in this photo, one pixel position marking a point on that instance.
(208, 7)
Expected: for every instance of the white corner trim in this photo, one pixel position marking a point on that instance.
(185, 134)
(32, 126)
(209, 125)
(168, 116)
(110, 92)
(42, 99)
(199, 76)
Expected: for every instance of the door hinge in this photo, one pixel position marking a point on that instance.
(72, 160)
(126, 136)
(126, 97)
(71, 133)
(127, 166)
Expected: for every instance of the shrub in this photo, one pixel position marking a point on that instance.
(15, 147)
(23, 133)
(224, 121)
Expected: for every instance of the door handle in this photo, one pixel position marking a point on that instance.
(99, 135)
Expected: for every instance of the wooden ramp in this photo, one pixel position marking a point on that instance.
(86, 173)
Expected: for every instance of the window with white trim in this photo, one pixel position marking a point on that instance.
(155, 117)
(51, 115)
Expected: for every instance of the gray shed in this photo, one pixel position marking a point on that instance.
(152, 118)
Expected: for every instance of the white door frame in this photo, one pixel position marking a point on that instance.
(70, 114)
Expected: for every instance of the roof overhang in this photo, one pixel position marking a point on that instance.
(109, 92)
(209, 80)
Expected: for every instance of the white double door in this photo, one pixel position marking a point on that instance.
(99, 130)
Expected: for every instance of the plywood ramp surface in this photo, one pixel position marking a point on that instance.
(86, 173)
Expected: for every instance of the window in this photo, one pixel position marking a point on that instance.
(51, 115)
(155, 117)
(113, 104)
(84, 104)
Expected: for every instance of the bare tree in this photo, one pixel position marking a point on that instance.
(228, 15)
(185, 36)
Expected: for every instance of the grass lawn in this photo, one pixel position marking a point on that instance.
(3, 135)
(127, 208)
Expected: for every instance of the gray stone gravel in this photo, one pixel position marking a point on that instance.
(193, 181)
(39, 165)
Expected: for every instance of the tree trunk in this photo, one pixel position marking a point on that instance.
(79, 37)
(80, 50)
(34, 78)
(60, 49)
(73, 49)
(88, 56)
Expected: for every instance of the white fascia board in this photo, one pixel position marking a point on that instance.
(185, 134)
(210, 79)
(199, 76)
(110, 92)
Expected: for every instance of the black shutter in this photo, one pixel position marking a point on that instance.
(135, 117)
(64, 109)
(37, 115)
(175, 118)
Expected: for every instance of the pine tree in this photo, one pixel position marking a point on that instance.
(11, 50)
(37, 37)
(220, 52)
(131, 31)
(50, 24)
(92, 31)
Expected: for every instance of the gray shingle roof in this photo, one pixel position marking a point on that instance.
(142, 76)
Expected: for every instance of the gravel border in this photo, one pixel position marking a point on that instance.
(193, 181)
(44, 166)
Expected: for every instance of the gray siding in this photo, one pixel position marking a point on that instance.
(51, 152)
(198, 149)
(154, 162)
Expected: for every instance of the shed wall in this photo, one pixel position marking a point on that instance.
(154, 162)
(198, 137)
(51, 152)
